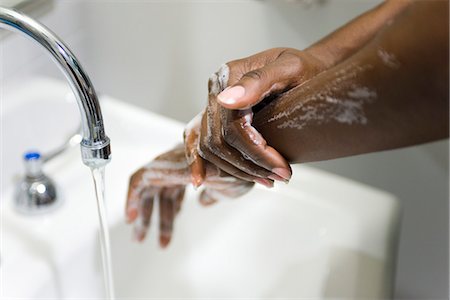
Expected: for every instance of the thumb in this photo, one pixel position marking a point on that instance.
(255, 85)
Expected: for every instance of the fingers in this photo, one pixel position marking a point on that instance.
(258, 83)
(145, 209)
(206, 199)
(167, 212)
(163, 179)
(227, 138)
(232, 170)
(135, 189)
(170, 200)
(196, 163)
(227, 186)
(197, 170)
(240, 134)
(168, 169)
(223, 186)
(179, 199)
(214, 149)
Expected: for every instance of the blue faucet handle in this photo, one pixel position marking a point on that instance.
(30, 155)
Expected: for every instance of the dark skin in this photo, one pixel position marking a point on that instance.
(408, 109)
(403, 64)
(235, 145)
(380, 82)
(164, 180)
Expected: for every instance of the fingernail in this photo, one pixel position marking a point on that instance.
(278, 178)
(206, 200)
(164, 241)
(282, 172)
(265, 182)
(139, 235)
(196, 182)
(131, 215)
(231, 94)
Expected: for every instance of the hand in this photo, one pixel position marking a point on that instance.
(223, 134)
(268, 73)
(164, 180)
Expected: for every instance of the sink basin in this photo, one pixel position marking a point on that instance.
(321, 236)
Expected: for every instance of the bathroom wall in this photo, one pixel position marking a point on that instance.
(168, 49)
(21, 59)
(159, 55)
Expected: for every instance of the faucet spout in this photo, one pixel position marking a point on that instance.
(95, 145)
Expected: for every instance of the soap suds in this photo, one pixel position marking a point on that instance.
(330, 105)
(361, 93)
(388, 59)
(193, 129)
(169, 165)
(253, 134)
(342, 110)
(219, 80)
(217, 83)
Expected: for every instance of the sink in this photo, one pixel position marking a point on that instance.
(321, 236)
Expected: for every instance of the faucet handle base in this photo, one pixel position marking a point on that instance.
(36, 193)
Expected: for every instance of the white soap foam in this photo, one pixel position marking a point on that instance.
(325, 106)
(389, 59)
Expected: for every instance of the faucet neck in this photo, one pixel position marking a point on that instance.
(95, 146)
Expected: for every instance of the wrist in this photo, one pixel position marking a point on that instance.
(312, 63)
(324, 54)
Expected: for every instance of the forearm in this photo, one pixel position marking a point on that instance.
(392, 93)
(351, 37)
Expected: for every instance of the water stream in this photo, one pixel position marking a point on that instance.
(99, 181)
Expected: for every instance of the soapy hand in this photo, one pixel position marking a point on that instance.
(164, 180)
(271, 72)
(223, 134)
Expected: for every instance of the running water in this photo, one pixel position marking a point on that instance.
(99, 181)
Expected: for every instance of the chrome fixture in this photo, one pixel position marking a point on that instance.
(36, 193)
(95, 145)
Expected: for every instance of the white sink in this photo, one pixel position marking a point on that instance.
(321, 236)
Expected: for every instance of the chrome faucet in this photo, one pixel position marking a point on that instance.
(95, 145)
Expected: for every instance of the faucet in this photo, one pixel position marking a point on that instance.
(95, 145)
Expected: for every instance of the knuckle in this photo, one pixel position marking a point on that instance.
(135, 178)
(255, 74)
(235, 65)
(237, 68)
(294, 62)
